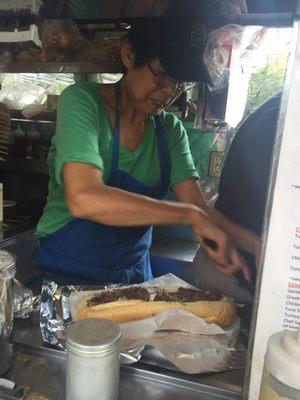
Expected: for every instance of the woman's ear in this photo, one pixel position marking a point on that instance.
(127, 55)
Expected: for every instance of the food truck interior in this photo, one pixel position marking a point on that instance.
(45, 47)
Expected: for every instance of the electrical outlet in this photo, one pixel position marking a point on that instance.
(217, 159)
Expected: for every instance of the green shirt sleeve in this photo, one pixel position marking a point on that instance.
(181, 160)
(77, 130)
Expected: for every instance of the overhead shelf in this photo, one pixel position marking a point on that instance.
(44, 116)
(282, 18)
(61, 67)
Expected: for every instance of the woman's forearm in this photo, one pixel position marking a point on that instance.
(116, 207)
(89, 198)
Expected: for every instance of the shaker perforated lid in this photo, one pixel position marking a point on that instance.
(7, 264)
(93, 335)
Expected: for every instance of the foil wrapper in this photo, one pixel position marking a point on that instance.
(25, 303)
(55, 313)
(185, 341)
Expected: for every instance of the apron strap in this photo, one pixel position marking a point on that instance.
(116, 138)
(163, 151)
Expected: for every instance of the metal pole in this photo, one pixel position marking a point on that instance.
(270, 298)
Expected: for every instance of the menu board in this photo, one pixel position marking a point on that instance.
(278, 307)
(291, 317)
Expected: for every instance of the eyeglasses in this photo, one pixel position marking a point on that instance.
(163, 79)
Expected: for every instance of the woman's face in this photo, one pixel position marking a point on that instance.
(149, 87)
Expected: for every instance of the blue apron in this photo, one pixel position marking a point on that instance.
(100, 253)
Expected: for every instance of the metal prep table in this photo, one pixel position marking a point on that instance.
(40, 368)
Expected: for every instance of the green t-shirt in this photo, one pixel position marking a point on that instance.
(84, 134)
(84, 8)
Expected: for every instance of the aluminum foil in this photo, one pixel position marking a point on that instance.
(198, 348)
(25, 303)
(54, 314)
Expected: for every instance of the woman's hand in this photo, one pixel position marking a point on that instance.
(217, 244)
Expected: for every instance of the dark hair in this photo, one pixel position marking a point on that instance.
(178, 43)
(144, 45)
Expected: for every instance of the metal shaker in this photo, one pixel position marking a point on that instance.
(7, 273)
(93, 366)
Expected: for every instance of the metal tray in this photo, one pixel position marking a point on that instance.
(42, 370)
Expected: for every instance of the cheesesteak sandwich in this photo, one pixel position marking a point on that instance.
(137, 302)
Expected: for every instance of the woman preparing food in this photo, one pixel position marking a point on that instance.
(113, 158)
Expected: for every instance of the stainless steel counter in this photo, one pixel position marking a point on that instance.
(42, 369)
(173, 248)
